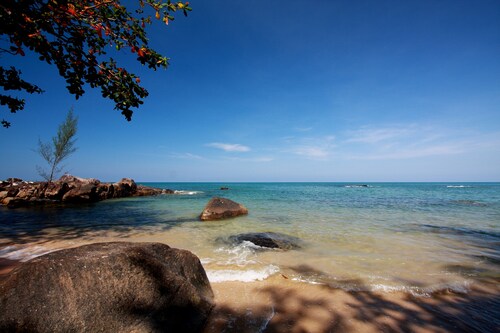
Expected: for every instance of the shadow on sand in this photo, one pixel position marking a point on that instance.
(286, 306)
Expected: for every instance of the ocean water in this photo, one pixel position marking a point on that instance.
(412, 237)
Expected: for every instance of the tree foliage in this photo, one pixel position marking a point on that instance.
(76, 37)
(62, 145)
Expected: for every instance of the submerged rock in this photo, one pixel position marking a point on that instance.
(222, 208)
(270, 240)
(107, 287)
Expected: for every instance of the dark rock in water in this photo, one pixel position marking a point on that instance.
(14, 202)
(222, 208)
(142, 191)
(224, 188)
(270, 240)
(107, 287)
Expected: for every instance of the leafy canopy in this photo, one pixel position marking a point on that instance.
(76, 37)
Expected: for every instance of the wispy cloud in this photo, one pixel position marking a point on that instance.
(303, 129)
(376, 135)
(186, 156)
(313, 147)
(410, 141)
(229, 147)
(408, 152)
(311, 151)
(258, 159)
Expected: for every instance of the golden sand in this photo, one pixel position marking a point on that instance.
(281, 305)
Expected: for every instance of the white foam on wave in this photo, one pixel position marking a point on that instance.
(24, 253)
(226, 275)
(457, 287)
(183, 192)
(241, 255)
(458, 186)
(205, 261)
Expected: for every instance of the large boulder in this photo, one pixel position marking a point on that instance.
(270, 240)
(81, 193)
(70, 179)
(107, 287)
(125, 187)
(222, 208)
(142, 191)
(55, 191)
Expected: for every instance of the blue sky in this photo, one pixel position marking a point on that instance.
(290, 91)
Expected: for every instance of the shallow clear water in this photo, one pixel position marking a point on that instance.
(416, 237)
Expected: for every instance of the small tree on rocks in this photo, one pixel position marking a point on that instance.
(62, 145)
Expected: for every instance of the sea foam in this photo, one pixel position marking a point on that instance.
(24, 253)
(226, 275)
(183, 192)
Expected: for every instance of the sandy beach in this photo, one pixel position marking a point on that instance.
(281, 305)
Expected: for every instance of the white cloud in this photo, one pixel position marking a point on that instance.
(229, 147)
(186, 156)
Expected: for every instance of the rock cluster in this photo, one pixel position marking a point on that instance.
(107, 287)
(222, 208)
(15, 192)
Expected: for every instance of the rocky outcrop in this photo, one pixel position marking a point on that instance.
(69, 189)
(222, 208)
(270, 240)
(107, 287)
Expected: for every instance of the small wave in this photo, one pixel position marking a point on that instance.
(358, 186)
(182, 192)
(226, 275)
(458, 186)
(24, 254)
(239, 255)
(461, 287)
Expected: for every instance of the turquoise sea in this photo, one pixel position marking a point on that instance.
(413, 237)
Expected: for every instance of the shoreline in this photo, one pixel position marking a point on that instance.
(278, 304)
(281, 305)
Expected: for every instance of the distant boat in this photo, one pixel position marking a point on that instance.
(224, 188)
